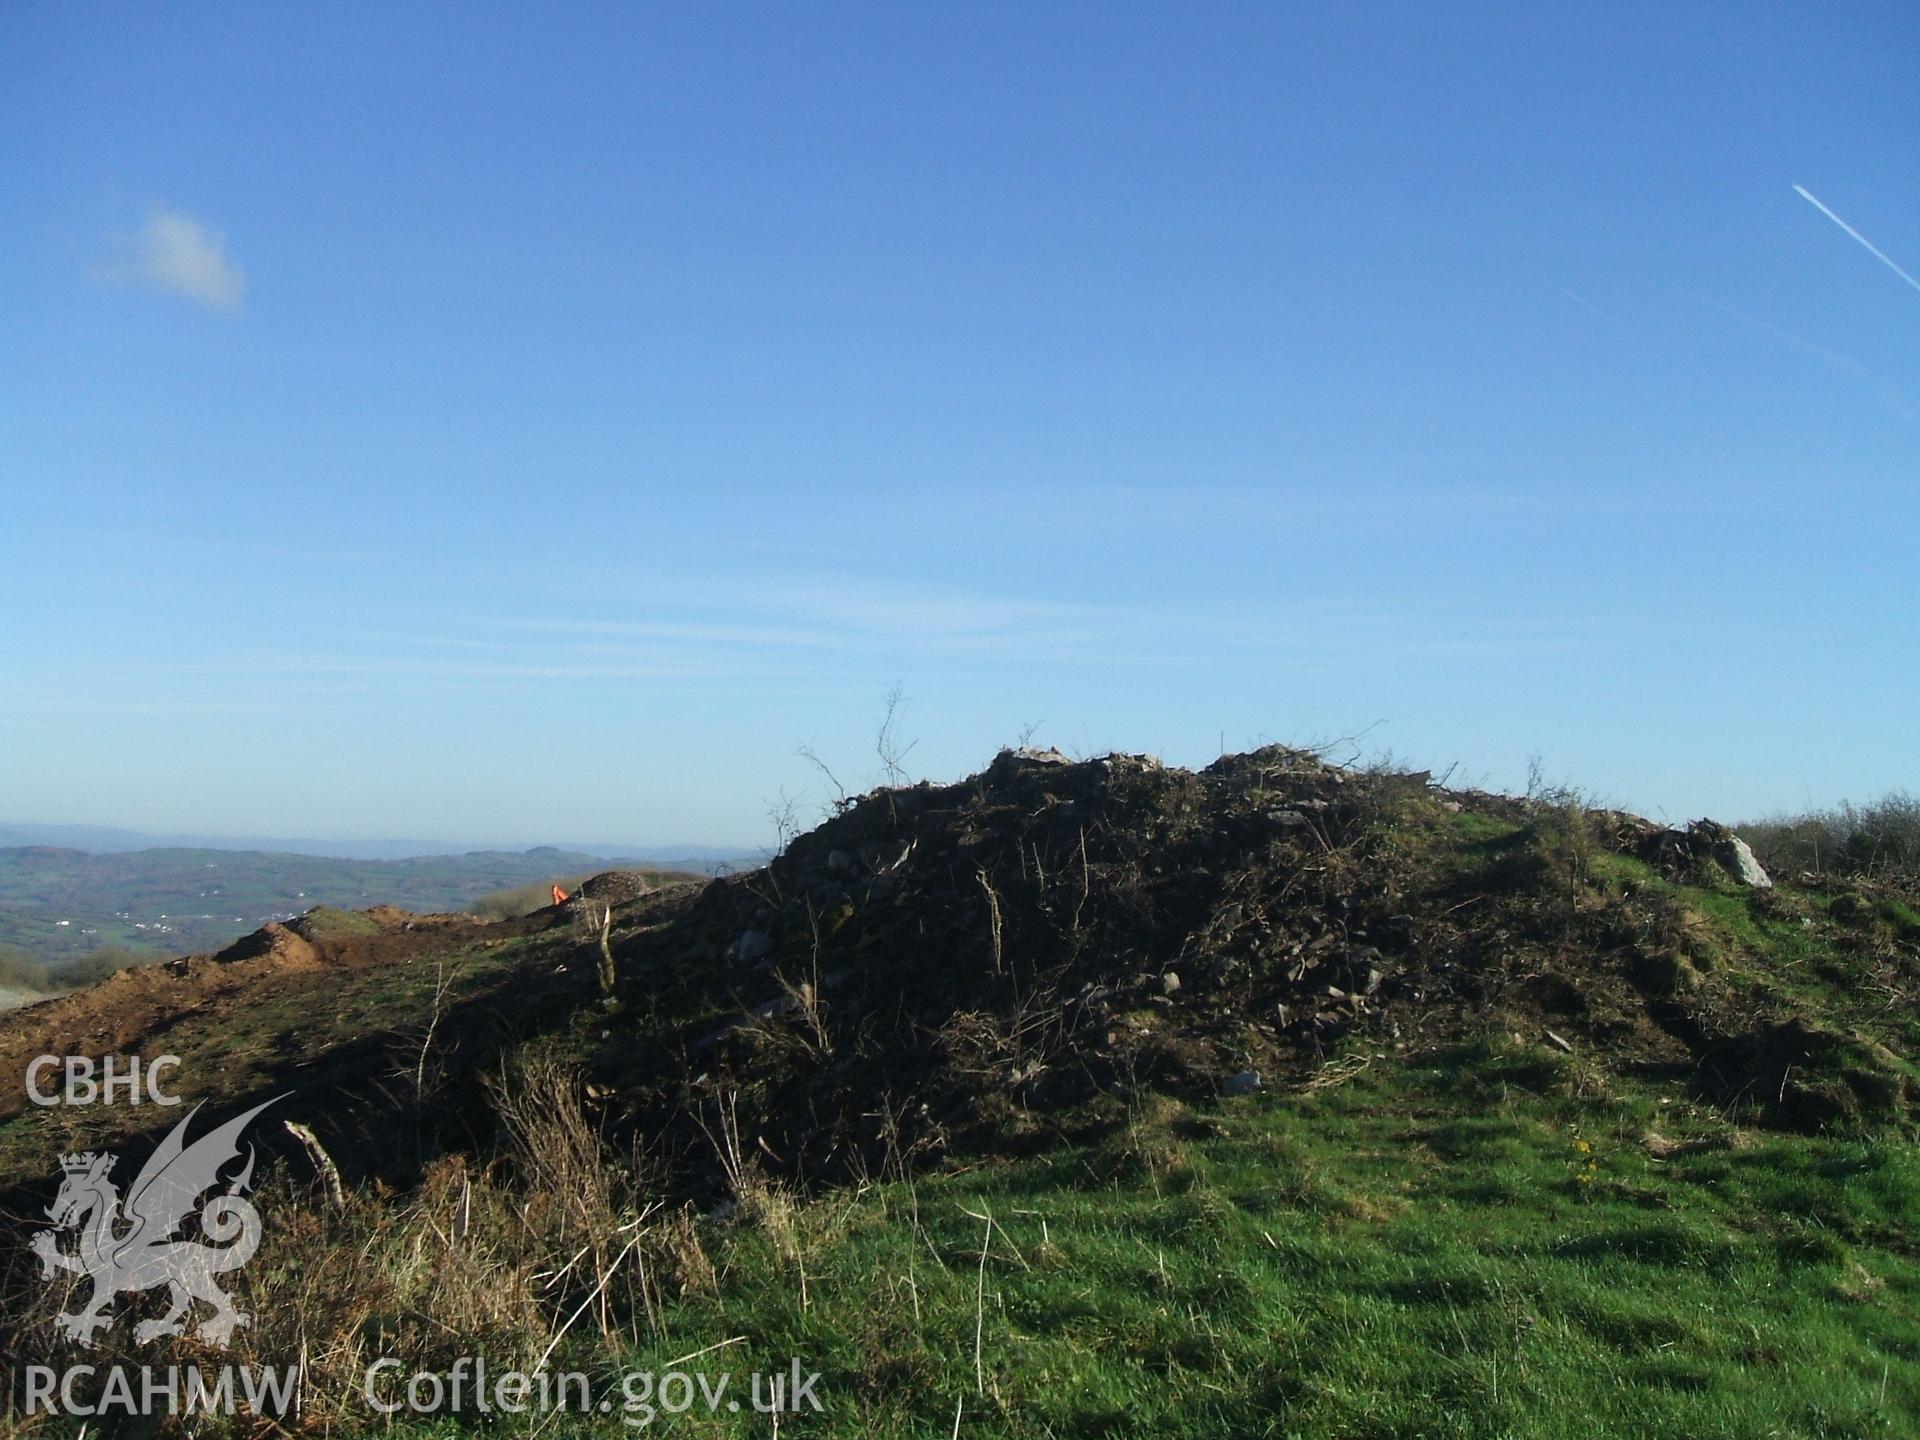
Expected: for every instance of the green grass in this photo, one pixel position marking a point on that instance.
(1442, 1252)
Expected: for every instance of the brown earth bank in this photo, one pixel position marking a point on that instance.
(132, 1009)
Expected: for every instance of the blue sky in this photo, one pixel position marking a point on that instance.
(497, 422)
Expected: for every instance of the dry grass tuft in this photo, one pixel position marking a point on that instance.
(506, 1260)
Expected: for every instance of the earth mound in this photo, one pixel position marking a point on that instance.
(284, 944)
(616, 887)
(1029, 947)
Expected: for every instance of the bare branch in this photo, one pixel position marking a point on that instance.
(887, 742)
(812, 757)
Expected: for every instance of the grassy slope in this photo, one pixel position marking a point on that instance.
(1462, 1249)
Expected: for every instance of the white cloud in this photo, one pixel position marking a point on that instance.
(176, 253)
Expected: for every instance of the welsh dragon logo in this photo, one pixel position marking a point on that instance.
(133, 1248)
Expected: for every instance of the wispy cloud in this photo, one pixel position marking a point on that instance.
(1889, 395)
(176, 253)
(758, 626)
(818, 612)
(799, 635)
(1871, 248)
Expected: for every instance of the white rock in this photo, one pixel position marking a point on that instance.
(1737, 856)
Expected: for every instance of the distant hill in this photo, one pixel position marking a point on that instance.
(109, 840)
(60, 902)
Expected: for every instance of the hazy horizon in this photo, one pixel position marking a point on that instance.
(106, 839)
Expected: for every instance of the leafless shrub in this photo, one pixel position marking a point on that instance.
(783, 813)
(887, 743)
(1878, 840)
(812, 756)
(1564, 825)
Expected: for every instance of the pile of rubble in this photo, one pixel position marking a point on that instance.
(1040, 934)
(1011, 956)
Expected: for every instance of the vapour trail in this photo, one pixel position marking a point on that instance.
(1872, 249)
